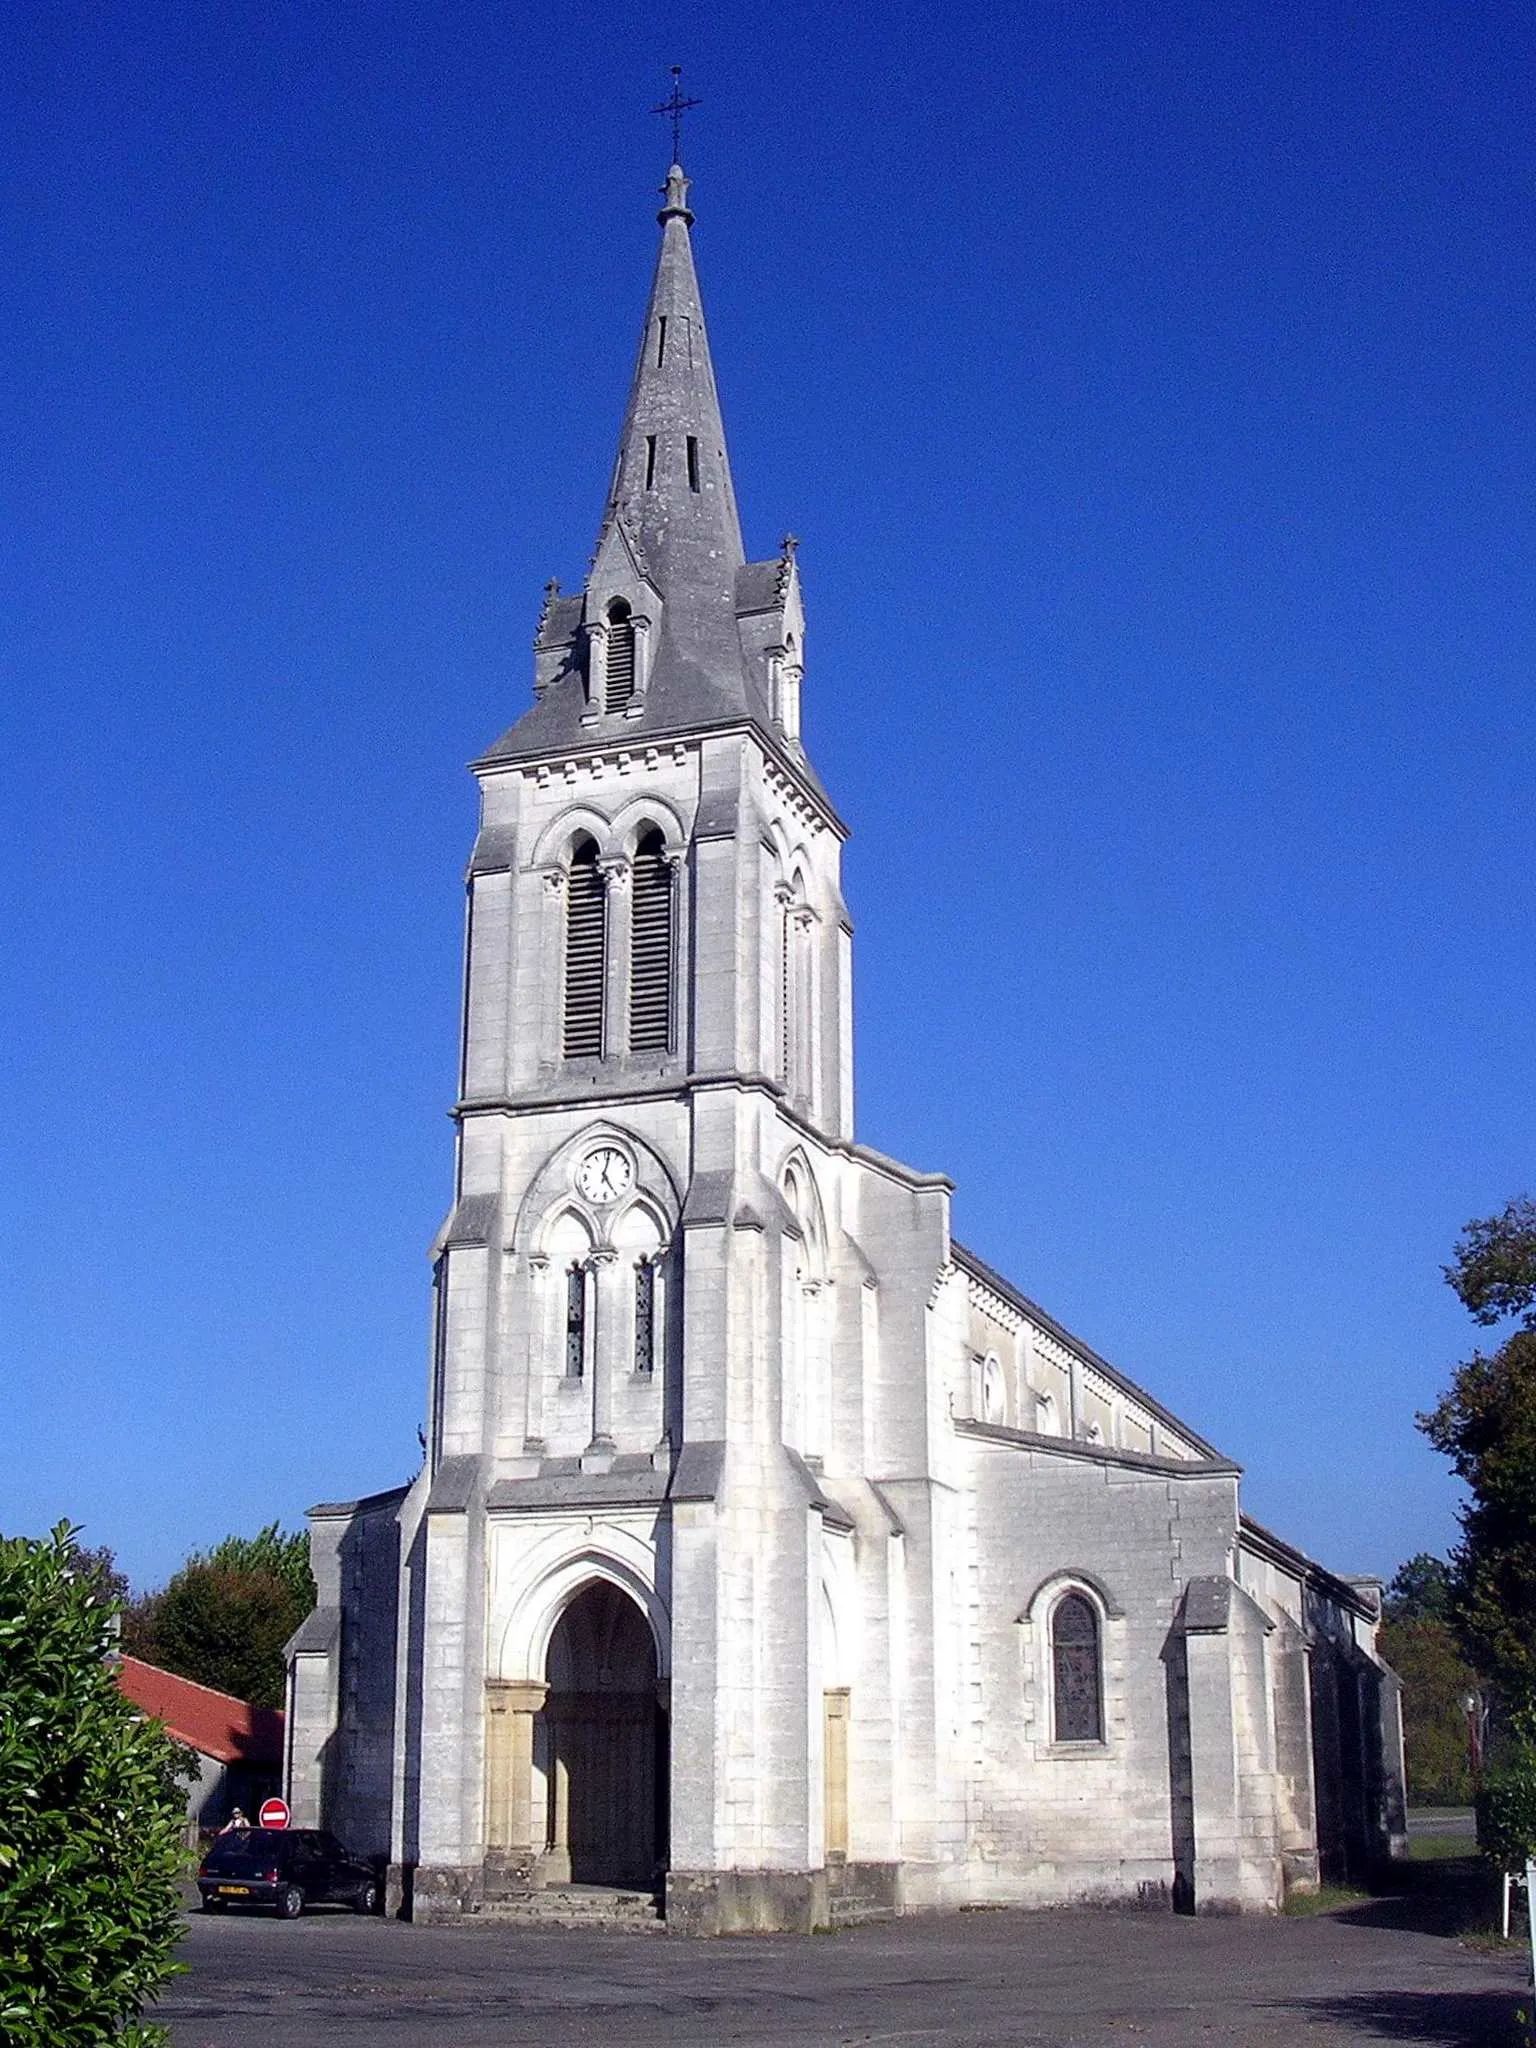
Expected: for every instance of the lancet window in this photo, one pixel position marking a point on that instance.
(575, 1321)
(1076, 1670)
(619, 672)
(645, 1315)
(586, 955)
(651, 947)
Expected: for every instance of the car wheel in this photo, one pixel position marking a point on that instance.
(215, 1905)
(367, 1900)
(290, 1902)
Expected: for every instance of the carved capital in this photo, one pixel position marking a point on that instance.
(615, 870)
(554, 880)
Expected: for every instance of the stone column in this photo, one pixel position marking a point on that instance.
(619, 909)
(553, 1864)
(541, 1337)
(789, 687)
(606, 1350)
(835, 1704)
(510, 1705)
(597, 669)
(780, 1049)
(642, 626)
(551, 976)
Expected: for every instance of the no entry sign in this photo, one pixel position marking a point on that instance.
(273, 1814)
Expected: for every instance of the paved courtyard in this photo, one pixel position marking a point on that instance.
(973, 1980)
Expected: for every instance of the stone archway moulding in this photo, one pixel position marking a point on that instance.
(550, 1187)
(1072, 1579)
(528, 1608)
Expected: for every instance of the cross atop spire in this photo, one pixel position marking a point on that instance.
(676, 106)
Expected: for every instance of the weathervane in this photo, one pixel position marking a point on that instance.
(677, 106)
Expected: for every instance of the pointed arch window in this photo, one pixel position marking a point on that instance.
(586, 955)
(619, 674)
(1076, 1670)
(645, 1315)
(650, 972)
(576, 1322)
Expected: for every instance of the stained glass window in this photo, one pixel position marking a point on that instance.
(645, 1316)
(575, 1322)
(1075, 1662)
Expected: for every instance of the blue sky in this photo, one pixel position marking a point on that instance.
(1151, 387)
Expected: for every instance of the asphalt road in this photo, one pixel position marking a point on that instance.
(969, 1980)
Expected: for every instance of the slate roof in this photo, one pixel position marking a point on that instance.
(214, 1723)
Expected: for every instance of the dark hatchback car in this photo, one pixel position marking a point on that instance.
(289, 1868)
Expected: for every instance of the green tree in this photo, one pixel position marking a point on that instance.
(1419, 1641)
(1424, 1652)
(91, 1816)
(1486, 1425)
(1420, 1590)
(224, 1617)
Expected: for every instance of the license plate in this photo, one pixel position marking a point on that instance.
(234, 1891)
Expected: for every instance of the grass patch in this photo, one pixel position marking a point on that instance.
(1328, 1899)
(1439, 1848)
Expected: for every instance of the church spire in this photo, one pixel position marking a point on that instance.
(674, 631)
(672, 488)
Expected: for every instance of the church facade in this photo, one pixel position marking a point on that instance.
(771, 1554)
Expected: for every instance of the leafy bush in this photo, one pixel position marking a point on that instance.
(91, 1816)
(1506, 1814)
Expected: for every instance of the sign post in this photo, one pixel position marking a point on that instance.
(273, 1814)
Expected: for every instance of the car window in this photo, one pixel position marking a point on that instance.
(238, 1855)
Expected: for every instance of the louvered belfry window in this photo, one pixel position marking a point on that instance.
(585, 955)
(619, 675)
(650, 978)
(1075, 1666)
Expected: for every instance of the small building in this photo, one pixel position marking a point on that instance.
(239, 1747)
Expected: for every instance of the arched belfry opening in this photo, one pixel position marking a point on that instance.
(604, 1744)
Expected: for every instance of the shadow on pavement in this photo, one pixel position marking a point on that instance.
(1455, 1896)
(1449, 2019)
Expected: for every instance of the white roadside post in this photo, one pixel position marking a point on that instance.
(1530, 1909)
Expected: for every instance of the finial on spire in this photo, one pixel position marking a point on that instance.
(675, 193)
(676, 106)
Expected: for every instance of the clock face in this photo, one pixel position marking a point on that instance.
(604, 1174)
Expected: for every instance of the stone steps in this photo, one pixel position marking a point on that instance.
(596, 1908)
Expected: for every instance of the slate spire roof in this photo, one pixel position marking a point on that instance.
(670, 546)
(672, 482)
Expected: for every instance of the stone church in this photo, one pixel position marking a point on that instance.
(773, 1557)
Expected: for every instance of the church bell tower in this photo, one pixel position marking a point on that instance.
(636, 1302)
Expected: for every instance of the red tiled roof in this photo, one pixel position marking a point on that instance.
(214, 1722)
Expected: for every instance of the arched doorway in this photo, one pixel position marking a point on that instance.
(605, 1742)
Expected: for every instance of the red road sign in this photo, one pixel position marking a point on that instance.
(273, 1814)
